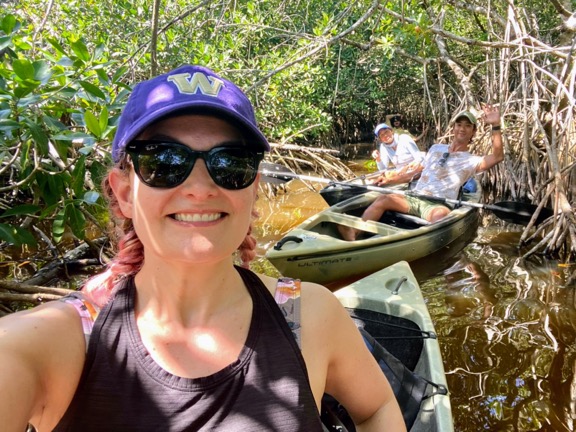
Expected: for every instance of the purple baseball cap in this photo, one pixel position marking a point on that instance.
(192, 89)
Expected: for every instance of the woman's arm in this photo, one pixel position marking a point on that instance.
(41, 359)
(340, 364)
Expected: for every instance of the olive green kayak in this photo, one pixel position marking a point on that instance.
(389, 305)
(314, 251)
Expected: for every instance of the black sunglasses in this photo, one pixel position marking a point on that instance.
(443, 159)
(165, 164)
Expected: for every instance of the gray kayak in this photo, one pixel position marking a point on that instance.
(387, 303)
(314, 251)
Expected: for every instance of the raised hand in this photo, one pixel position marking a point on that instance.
(491, 115)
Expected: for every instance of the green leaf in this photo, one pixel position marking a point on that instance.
(119, 74)
(8, 23)
(65, 62)
(48, 211)
(8, 125)
(16, 235)
(21, 92)
(24, 209)
(51, 187)
(59, 225)
(53, 123)
(102, 77)
(91, 197)
(80, 49)
(56, 45)
(23, 236)
(24, 159)
(62, 148)
(92, 123)
(71, 136)
(29, 100)
(7, 233)
(100, 50)
(92, 89)
(5, 41)
(40, 138)
(86, 150)
(42, 71)
(77, 221)
(98, 171)
(78, 175)
(23, 68)
(103, 121)
(22, 45)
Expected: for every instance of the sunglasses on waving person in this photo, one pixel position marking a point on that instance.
(165, 164)
(442, 161)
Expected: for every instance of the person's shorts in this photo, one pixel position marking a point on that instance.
(422, 207)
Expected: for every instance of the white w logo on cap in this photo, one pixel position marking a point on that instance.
(207, 85)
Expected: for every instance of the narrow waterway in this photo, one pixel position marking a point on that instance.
(507, 327)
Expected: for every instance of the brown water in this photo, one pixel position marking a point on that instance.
(507, 327)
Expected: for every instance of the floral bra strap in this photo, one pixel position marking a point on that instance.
(287, 297)
(87, 311)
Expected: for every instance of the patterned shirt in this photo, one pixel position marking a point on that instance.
(444, 172)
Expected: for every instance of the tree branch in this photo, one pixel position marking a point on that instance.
(321, 46)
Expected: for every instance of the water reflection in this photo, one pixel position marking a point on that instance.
(507, 327)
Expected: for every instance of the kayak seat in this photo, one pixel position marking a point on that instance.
(395, 219)
(390, 339)
(400, 336)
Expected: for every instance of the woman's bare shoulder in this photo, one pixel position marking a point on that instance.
(312, 294)
(42, 323)
(43, 351)
(45, 337)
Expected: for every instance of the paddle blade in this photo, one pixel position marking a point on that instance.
(519, 213)
(275, 173)
(333, 194)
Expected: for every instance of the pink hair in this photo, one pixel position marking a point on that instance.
(130, 257)
(247, 248)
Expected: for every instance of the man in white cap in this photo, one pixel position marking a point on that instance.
(399, 150)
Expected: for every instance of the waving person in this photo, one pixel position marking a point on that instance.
(174, 336)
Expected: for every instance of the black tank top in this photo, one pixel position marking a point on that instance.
(122, 388)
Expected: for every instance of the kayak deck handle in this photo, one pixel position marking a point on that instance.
(285, 240)
(438, 389)
(399, 284)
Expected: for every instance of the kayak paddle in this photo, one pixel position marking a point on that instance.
(509, 211)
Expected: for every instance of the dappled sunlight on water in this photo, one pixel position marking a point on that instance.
(289, 208)
(507, 327)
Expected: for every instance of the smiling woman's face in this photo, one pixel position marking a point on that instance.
(196, 221)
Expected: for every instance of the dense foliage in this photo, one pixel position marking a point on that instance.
(320, 73)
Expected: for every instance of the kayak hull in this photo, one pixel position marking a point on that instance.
(314, 251)
(380, 292)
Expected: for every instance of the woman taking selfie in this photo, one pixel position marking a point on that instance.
(174, 336)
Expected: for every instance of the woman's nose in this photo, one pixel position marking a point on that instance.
(199, 181)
